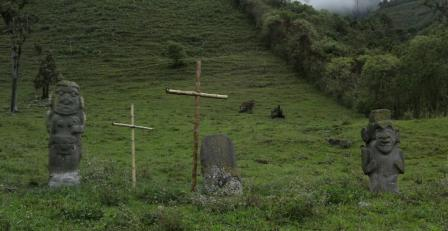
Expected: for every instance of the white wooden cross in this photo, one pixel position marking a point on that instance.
(132, 126)
(197, 95)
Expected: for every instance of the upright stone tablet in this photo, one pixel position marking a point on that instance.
(218, 166)
(382, 158)
(65, 125)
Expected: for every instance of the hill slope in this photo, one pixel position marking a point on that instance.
(292, 178)
(408, 15)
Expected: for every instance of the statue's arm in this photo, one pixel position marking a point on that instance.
(399, 164)
(49, 116)
(368, 164)
(79, 128)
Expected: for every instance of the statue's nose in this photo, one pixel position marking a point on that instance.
(65, 100)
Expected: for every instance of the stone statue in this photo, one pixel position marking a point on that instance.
(65, 124)
(382, 158)
(218, 167)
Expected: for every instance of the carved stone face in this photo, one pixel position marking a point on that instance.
(67, 100)
(385, 139)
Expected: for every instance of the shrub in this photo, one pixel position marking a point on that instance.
(292, 209)
(123, 219)
(176, 52)
(343, 191)
(110, 196)
(47, 75)
(156, 195)
(81, 211)
(165, 219)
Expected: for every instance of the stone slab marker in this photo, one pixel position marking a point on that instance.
(218, 166)
(382, 158)
(65, 124)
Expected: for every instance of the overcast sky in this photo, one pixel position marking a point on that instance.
(339, 6)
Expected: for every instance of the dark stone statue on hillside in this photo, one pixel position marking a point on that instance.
(65, 125)
(218, 166)
(382, 158)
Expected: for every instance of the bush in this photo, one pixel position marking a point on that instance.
(81, 211)
(110, 196)
(47, 75)
(123, 219)
(291, 209)
(165, 219)
(343, 191)
(163, 195)
(176, 52)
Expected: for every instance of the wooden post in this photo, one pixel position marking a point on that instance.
(197, 119)
(134, 177)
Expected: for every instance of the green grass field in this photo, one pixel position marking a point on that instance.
(115, 51)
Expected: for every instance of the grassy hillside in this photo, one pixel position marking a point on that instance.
(293, 180)
(408, 15)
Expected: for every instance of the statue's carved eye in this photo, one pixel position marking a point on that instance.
(74, 93)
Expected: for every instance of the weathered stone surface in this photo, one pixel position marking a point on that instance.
(218, 166)
(382, 158)
(65, 124)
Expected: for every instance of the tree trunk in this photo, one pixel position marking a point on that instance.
(45, 91)
(15, 56)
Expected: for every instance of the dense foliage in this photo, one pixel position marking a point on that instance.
(364, 63)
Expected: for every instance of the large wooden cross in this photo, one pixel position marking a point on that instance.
(197, 95)
(132, 126)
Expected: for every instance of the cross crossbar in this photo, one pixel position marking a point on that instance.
(195, 93)
(131, 126)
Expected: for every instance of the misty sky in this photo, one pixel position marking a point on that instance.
(341, 6)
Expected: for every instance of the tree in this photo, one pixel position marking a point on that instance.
(176, 52)
(47, 75)
(438, 6)
(378, 83)
(424, 74)
(18, 26)
(339, 79)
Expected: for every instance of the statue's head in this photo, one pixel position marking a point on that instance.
(386, 138)
(382, 131)
(66, 99)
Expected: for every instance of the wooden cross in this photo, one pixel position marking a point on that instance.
(197, 95)
(132, 126)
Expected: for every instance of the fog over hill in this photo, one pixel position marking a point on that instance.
(343, 6)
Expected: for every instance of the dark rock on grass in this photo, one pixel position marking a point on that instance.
(277, 113)
(340, 143)
(247, 107)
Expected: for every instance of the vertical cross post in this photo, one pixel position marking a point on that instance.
(132, 126)
(134, 178)
(197, 119)
(197, 94)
